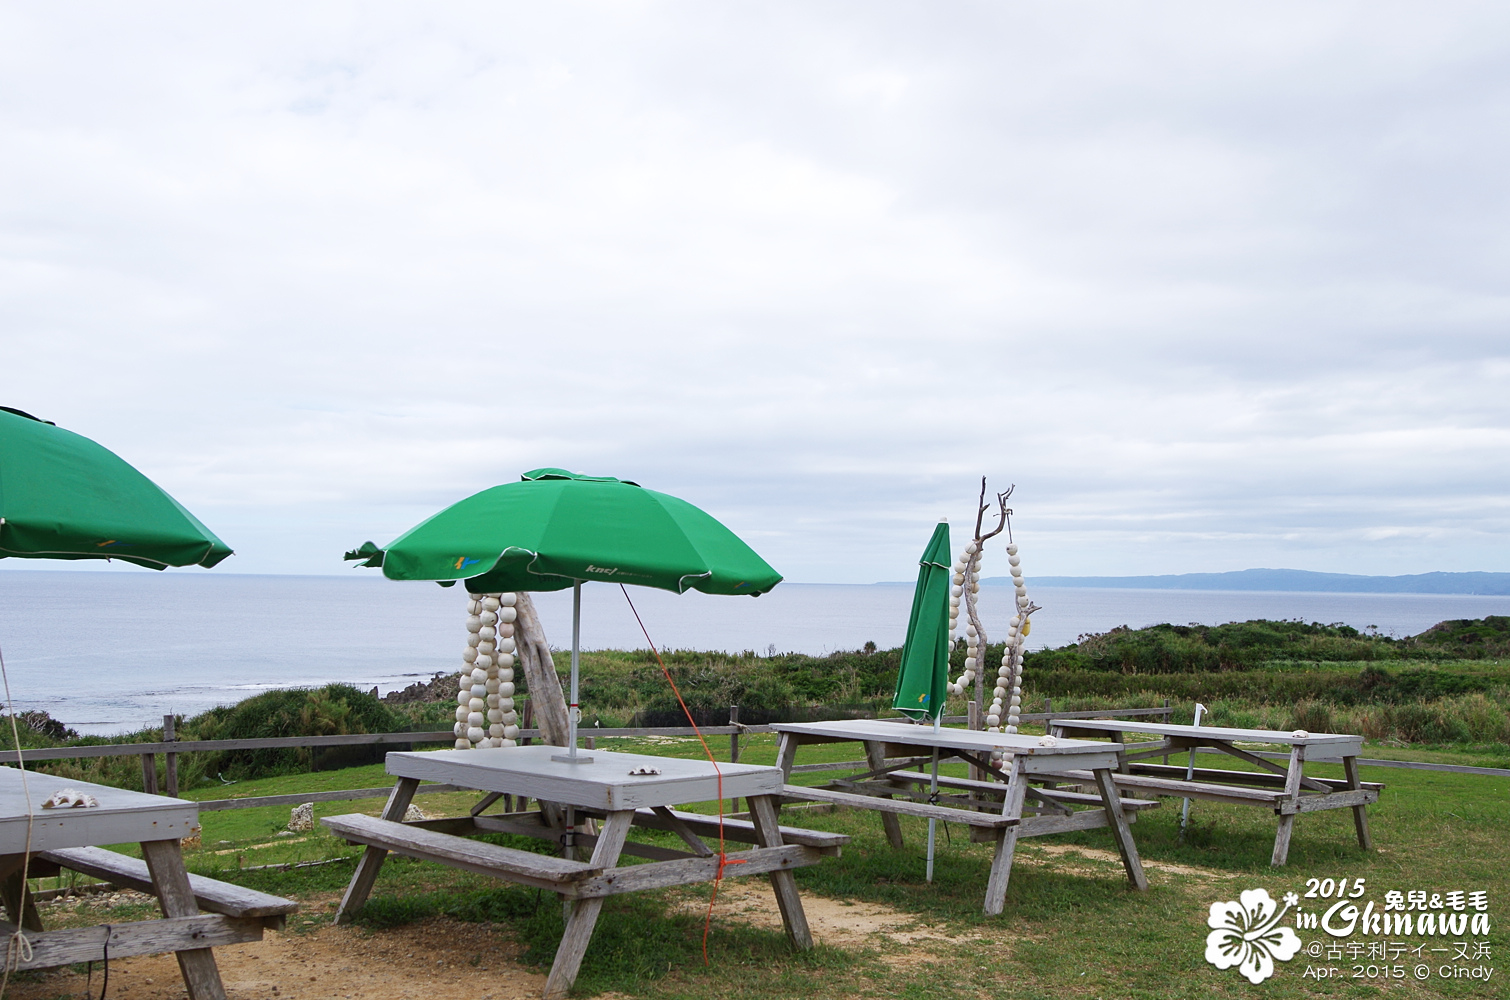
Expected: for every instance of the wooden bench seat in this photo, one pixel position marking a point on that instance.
(741, 830)
(903, 807)
(1179, 788)
(1222, 775)
(1057, 794)
(541, 870)
(212, 895)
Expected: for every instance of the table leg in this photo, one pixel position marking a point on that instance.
(875, 756)
(1287, 818)
(783, 883)
(584, 916)
(170, 880)
(1120, 739)
(1360, 817)
(1006, 840)
(372, 858)
(1121, 831)
(786, 755)
(19, 903)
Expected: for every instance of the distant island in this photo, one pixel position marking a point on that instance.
(1492, 584)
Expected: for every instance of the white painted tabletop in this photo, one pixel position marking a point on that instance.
(605, 783)
(1208, 732)
(1064, 754)
(122, 817)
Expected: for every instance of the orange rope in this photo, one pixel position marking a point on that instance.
(723, 857)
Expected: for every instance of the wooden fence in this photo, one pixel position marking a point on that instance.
(171, 747)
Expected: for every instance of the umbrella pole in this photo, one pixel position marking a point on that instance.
(572, 708)
(933, 790)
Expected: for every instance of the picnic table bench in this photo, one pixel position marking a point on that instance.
(1024, 802)
(66, 838)
(1287, 790)
(621, 790)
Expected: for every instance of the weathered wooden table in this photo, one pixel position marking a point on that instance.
(1287, 790)
(613, 788)
(992, 809)
(66, 838)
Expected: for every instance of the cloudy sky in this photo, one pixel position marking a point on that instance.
(1217, 285)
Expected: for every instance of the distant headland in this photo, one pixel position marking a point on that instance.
(1490, 584)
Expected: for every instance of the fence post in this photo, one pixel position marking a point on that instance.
(149, 773)
(734, 736)
(528, 719)
(170, 760)
(974, 721)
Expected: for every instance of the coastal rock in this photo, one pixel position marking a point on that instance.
(301, 819)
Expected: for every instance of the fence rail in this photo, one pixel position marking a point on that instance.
(171, 748)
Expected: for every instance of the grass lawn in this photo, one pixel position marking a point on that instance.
(1071, 928)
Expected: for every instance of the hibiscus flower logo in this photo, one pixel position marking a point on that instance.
(1246, 933)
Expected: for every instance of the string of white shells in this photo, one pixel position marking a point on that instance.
(485, 715)
(1006, 703)
(965, 587)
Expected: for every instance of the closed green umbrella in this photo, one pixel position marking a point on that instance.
(62, 496)
(556, 529)
(923, 675)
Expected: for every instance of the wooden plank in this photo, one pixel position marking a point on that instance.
(1187, 789)
(783, 883)
(1259, 779)
(875, 756)
(742, 830)
(584, 916)
(344, 795)
(412, 840)
(690, 870)
(901, 806)
(122, 816)
(532, 825)
(1121, 832)
(51, 949)
(371, 861)
(1258, 761)
(170, 883)
(610, 781)
(1041, 826)
(19, 902)
(1360, 815)
(209, 894)
(1287, 818)
(1327, 744)
(1355, 799)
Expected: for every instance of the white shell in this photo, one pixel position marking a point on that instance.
(505, 674)
(1300, 734)
(484, 662)
(492, 685)
(474, 623)
(993, 720)
(505, 661)
(475, 734)
(1047, 741)
(496, 731)
(1012, 549)
(462, 744)
(507, 704)
(511, 732)
(490, 603)
(506, 690)
(474, 719)
(495, 715)
(469, 655)
(970, 663)
(461, 713)
(480, 690)
(473, 640)
(486, 632)
(489, 617)
(1014, 560)
(506, 645)
(506, 630)
(477, 705)
(956, 590)
(463, 696)
(479, 676)
(508, 600)
(507, 615)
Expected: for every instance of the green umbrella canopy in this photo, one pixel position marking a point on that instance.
(923, 673)
(553, 527)
(62, 496)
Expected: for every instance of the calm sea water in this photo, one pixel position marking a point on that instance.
(112, 651)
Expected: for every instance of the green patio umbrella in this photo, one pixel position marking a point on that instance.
(923, 675)
(556, 529)
(62, 496)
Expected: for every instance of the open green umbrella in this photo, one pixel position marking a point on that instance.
(923, 675)
(556, 529)
(62, 496)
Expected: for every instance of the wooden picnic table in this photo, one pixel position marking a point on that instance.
(70, 837)
(1024, 802)
(622, 790)
(1287, 790)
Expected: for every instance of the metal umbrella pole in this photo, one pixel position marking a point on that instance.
(933, 791)
(573, 710)
(1190, 773)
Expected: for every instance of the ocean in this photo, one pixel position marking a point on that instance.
(114, 650)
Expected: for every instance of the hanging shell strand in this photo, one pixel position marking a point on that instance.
(966, 586)
(1009, 675)
(485, 715)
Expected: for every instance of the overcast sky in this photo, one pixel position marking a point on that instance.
(1217, 285)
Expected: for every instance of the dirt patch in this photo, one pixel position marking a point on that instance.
(1098, 854)
(437, 959)
(837, 923)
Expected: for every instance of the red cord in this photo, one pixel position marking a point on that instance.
(723, 857)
